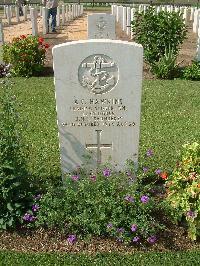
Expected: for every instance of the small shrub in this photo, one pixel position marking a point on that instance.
(166, 67)
(26, 54)
(192, 72)
(14, 183)
(105, 203)
(184, 189)
(158, 32)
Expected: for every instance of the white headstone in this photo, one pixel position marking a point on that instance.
(17, 14)
(34, 21)
(25, 12)
(63, 14)
(8, 11)
(58, 16)
(1, 32)
(196, 20)
(198, 46)
(124, 22)
(133, 10)
(98, 100)
(44, 21)
(4, 9)
(128, 21)
(191, 13)
(101, 26)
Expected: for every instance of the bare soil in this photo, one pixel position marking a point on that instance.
(173, 239)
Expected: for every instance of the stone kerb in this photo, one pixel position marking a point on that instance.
(98, 100)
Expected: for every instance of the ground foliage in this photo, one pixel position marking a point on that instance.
(14, 181)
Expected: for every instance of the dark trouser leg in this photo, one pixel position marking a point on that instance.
(48, 17)
(53, 13)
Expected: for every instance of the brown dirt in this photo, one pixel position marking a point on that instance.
(77, 30)
(173, 239)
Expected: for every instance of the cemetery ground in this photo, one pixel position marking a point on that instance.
(169, 119)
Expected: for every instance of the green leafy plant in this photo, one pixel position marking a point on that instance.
(104, 203)
(184, 189)
(192, 72)
(14, 185)
(158, 32)
(166, 67)
(26, 54)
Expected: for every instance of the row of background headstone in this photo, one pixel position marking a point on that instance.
(124, 15)
(65, 13)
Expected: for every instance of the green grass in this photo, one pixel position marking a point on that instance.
(170, 115)
(189, 258)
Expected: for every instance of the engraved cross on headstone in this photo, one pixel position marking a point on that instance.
(98, 146)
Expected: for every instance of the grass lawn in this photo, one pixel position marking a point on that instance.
(169, 118)
(189, 258)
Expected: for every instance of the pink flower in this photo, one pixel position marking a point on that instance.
(75, 177)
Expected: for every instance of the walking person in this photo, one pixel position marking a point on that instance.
(51, 5)
(19, 4)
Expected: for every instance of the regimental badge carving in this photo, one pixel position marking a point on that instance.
(98, 73)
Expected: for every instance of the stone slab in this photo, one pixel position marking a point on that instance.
(98, 99)
(101, 26)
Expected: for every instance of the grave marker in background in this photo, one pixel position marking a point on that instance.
(98, 99)
(101, 26)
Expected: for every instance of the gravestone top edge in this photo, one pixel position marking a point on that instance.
(134, 44)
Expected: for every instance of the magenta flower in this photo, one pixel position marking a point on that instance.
(149, 153)
(136, 239)
(37, 197)
(75, 177)
(129, 198)
(106, 172)
(72, 239)
(93, 178)
(151, 239)
(35, 207)
(158, 171)
(191, 214)
(128, 173)
(29, 217)
(120, 230)
(144, 199)
(109, 226)
(133, 227)
(145, 169)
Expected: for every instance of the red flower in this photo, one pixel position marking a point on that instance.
(164, 175)
(46, 45)
(40, 40)
(23, 36)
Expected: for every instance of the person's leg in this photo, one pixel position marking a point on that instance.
(48, 17)
(20, 11)
(54, 13)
